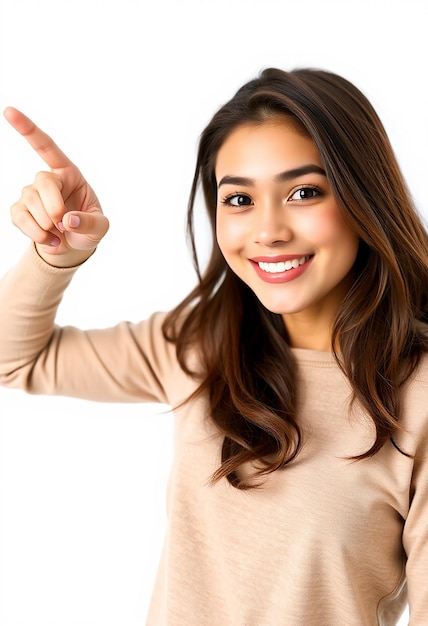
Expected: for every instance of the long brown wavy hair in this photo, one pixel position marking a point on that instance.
(248, 371)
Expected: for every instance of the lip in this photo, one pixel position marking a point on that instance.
(280, 277)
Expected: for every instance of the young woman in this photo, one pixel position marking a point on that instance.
(297, 366)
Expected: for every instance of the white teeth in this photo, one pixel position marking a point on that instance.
(283, 266)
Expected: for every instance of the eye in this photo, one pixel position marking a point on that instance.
(305, 193)
(238, 200)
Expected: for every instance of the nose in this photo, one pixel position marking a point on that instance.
(270, 225)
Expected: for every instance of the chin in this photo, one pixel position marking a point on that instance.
(279, 308)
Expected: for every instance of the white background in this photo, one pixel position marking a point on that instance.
(125, 87)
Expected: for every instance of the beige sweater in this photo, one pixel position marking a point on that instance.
(325, 542)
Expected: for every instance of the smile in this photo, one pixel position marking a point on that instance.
(281, 271)
(283, 266)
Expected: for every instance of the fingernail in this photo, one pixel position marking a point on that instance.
(55, 242)
(60, 227)
(73, 221)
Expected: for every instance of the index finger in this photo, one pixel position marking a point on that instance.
(44, 145)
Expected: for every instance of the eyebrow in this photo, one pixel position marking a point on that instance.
(279, 178)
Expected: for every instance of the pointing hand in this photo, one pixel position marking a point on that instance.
(59, 211)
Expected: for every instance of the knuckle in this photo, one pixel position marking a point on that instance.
(28, 192)
(19, 216)
(14, 212)
(43, 175)
(46, 181)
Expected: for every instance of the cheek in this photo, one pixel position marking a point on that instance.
(329, 228)
(230, 233)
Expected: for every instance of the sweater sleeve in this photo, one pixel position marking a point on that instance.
(415, 534)
(125, 363)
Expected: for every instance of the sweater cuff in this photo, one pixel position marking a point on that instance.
(48, 267)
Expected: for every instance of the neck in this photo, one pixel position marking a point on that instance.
(309, 332)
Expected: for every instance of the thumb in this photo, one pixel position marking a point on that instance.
(84, 230)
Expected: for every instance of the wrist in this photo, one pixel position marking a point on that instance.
(71, 259)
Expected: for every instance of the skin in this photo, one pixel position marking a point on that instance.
(262, 215)
(59, 211)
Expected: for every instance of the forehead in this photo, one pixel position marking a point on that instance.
(255, 149)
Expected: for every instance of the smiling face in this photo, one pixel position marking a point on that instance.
(280, 229)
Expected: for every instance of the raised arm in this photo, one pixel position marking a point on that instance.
(59, 211)
(30, 292)
(124, 363)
